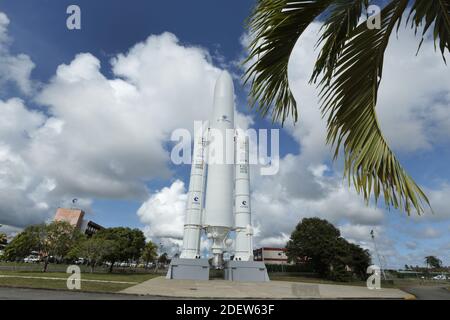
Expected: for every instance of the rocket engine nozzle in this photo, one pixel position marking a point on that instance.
(217, 261)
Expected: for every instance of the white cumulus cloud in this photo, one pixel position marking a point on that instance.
(14, 68)
(164, 212)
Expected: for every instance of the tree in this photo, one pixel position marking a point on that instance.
(348, 71)
(325, 250)
(50, 240)
(56, 240)
(163, 258)
(149, 253)
(3, 240)
(433, 262)
(315, 239)
(23, 244)
(358, 260)
(94, 250)
(126, 244)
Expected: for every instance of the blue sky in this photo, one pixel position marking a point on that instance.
(209, 36)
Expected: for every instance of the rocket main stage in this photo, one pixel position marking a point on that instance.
(219, 198)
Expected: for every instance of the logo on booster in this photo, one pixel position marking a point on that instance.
(195, 199)
(224, 118)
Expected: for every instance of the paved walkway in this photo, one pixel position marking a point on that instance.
(267, 290)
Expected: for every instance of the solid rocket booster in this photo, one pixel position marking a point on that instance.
(244, 231)
(218, 218)
(194, 207)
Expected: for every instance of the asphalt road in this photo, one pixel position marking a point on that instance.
(429, 293)
(40, 294)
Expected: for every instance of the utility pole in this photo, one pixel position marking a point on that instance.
(378, 255)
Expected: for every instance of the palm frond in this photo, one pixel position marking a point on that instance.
(342, 20)
(351, 63)
(437, 12)
(350, 100)
(275, 26)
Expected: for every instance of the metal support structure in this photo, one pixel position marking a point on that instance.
(378, 255)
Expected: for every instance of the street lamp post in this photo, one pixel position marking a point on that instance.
(376, 252)
(162, 251)
(282, 266)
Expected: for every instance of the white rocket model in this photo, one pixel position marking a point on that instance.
(220, 158)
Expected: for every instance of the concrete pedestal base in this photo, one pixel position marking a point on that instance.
(246, 271)
(220, 289)
(188, 269)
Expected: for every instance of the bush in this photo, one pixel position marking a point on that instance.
(340, 274)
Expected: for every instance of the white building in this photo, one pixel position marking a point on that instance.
(271, 255)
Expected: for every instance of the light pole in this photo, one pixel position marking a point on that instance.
(162, 251)
(282, 266)
(376, 252)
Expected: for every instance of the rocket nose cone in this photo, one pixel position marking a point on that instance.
(224, 85)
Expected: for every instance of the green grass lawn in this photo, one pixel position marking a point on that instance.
(19, 281)
(53, 267)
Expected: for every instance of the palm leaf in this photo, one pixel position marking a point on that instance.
(350, 100)
(437, 12)
(276, 25)
(342, 20)
(351, 63)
